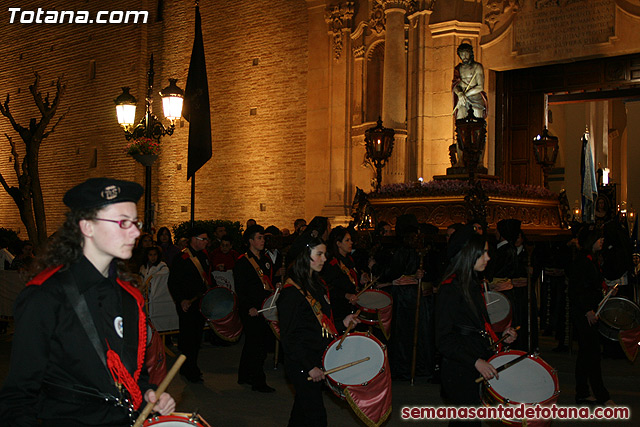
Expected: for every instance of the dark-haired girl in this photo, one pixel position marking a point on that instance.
(462, 322)
(306, 328)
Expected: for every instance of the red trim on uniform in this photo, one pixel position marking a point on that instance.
(334, 261)
(142, 341)
(44, 275)
(449, 279)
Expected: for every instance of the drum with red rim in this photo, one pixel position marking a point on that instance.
(177, 419)
(269, 309)
(356, 346)
(499, 309)
(369, 302)
(218, 303)
(530, 381)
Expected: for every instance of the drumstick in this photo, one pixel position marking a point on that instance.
(341, 367)
(367, 286)
(271, 307)
(503, 338)
(351, 325)
(505, 366)
(605, 299)
(161, 388)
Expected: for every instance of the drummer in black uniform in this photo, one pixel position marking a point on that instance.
(306, 328)
(251, 278)
(463, 334)
(189, 279)
(80, 328)
(340, 273)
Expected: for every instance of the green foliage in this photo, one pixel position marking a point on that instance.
(234, 229)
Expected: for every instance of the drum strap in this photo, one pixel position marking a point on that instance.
(351, 274)
(326, 323)
(194, 259)
(266, 283)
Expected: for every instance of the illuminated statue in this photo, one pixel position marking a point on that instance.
(468, 85)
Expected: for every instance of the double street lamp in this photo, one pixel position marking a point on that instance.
(149, 128)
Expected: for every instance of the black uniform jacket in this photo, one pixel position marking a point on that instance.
(503, 262)
(249, 287)
(585, 285)
(300, 332)
(340, 284)
(458, 329)
(51, 351)
(185, 280)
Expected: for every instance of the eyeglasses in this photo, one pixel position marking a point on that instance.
(123, 223)
(203, 239)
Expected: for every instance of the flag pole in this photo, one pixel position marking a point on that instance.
(193, 199)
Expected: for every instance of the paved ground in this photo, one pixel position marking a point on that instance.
(222, 402)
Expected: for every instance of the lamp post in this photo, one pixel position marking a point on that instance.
(545, 149)
(149, 127)
(379, 144)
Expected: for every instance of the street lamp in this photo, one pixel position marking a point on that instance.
(545, 149)
(149, 128)
(379, 144)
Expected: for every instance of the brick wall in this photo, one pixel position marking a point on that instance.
(257, 159)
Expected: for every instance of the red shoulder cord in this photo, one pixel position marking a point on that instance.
(116, 367)
(605, 287)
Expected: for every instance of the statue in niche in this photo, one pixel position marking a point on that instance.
(468, 85)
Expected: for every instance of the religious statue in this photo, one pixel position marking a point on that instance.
(468, 85)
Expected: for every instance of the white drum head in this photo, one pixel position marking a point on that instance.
(498, 306)
(354, 347)
(272, 314)
(374, 300)
(525, 382)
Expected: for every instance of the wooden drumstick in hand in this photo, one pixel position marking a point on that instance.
(517, 328)
(161, 389)
(351, 325)
(341, 367)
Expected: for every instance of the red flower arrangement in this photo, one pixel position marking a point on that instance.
(143, 145)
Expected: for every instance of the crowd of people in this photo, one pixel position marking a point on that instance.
(321, 274)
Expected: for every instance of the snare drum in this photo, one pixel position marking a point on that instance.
(272, 314)
(355, 346)
(530, 381)
(499, 309)
(177, 419)
(618, 314)
(217, 303)
(369, 302)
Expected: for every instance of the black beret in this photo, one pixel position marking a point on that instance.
(407, 223)
(509, 229)
(318, 223)
(459, 239)
(99, 192)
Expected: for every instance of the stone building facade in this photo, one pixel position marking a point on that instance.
(294, 84)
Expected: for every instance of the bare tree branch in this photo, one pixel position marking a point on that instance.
(53, 128)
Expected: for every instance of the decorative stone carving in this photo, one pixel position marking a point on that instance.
(499, 11)
(395, 4)
(416, 6)
(377, 20)
(338, 18)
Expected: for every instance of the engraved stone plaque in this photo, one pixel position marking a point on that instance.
(561, 28)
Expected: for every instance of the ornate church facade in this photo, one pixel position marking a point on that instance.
(295, 84)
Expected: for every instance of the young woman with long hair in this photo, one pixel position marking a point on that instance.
(339, 272)
(306, 328)
(462, 321)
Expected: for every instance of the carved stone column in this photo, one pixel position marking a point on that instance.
(394, 87)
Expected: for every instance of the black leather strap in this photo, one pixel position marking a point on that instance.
(79, 304)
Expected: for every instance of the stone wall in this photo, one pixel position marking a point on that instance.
(257, 67)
